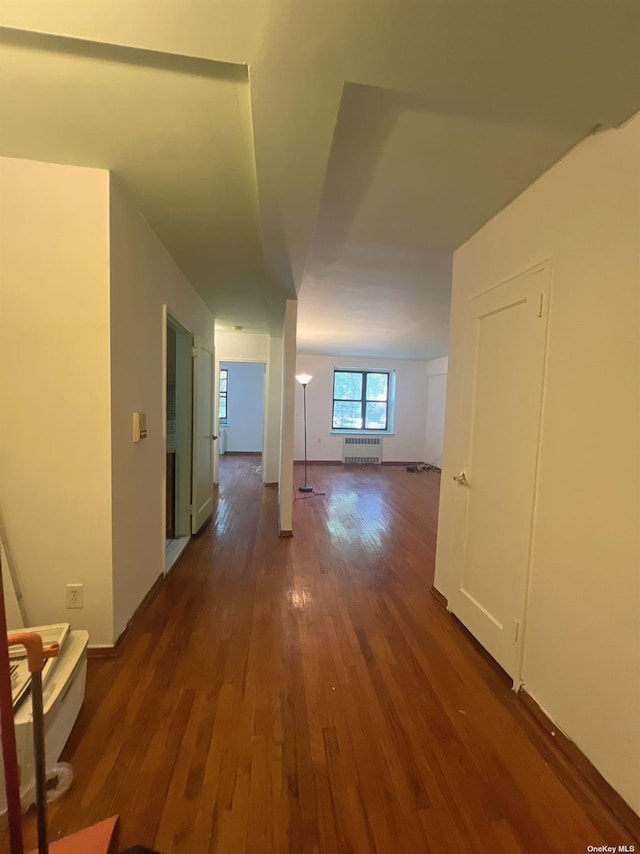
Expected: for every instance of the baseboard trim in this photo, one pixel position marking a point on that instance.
(284, 533)
(440, 598)
(443, 603)
(114, 651)
(242, 454)
(604, 790)
(403, 463)
(400, 463)
(102, 652)
(318, 462)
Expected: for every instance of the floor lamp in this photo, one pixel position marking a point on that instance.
(304, 379)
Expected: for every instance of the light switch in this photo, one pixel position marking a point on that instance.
(139, 426)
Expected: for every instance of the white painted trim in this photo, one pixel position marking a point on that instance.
(546, 317)
(362, 433)
(285, 490)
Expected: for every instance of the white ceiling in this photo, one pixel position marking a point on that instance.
(341, 151)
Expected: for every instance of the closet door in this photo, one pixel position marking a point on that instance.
(203, 436)
(496, 474)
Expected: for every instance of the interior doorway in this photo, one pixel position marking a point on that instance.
(179, 428)
(240, 411)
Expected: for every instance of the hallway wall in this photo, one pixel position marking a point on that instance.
(245, 406)
(55, 433)
(85, 281)
(582, 631)
(144, 278)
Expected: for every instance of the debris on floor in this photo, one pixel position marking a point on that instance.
(422, 467)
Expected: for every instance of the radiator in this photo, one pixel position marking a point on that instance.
(362, 449)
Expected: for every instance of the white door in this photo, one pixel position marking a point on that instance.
(506, 334)
(203, 436)
(216, 423)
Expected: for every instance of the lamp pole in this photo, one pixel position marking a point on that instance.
(304, 379)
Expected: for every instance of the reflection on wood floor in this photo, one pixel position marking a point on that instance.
(310, 695)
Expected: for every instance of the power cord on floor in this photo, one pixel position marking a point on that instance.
(312, 494)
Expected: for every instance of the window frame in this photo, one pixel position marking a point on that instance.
(363, 400)
(223, 395)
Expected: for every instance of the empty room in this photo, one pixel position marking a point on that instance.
(319, 363)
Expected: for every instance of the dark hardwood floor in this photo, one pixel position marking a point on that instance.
(310, 695)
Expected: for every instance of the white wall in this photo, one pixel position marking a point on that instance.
(245, 406)
(436, 402)
(285, 476)
(144, 278)
(273, 415)
(55, 432)
(583, 621)
(242, 347)
(408, 443)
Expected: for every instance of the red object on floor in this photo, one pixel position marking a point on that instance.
(8, 735)
(98, 839)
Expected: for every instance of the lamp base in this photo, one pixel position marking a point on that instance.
(305, 489)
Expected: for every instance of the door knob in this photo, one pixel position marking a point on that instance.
(213, 437)
(461, 479)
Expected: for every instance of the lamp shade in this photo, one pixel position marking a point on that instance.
(303, 379)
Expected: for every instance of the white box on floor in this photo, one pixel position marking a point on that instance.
(63, 693)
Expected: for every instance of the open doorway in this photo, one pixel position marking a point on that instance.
(179, 409)
(241, 409)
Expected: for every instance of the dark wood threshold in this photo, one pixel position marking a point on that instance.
(554, 737)
(242, 454)
(576, 758)
(271, 484)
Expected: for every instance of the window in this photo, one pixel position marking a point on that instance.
(361, 400)
(224, 380)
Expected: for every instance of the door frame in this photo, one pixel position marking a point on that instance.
(545, 263)
(216, 410)
(184, 424)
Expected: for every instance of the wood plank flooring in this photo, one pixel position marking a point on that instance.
(310, 695)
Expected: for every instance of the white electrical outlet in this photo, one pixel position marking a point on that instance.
(75, 595)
